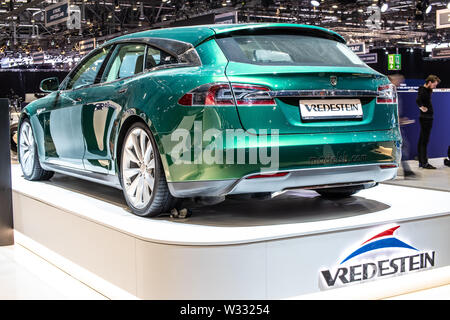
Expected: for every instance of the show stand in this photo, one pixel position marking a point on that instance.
(279, 248)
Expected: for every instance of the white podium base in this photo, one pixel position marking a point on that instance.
(246, 249)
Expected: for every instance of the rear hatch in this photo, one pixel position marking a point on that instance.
(315, 84)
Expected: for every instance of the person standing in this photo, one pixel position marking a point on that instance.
(426, 118)
(408, 173)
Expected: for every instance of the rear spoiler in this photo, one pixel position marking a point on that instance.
(298, 29)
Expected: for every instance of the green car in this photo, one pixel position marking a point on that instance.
(210, 111)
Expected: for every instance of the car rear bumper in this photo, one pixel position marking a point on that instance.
(285, 153)
(308, 178)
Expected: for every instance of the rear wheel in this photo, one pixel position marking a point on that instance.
(142, 174)
(339, 192)
(28, 155)
(13, 134)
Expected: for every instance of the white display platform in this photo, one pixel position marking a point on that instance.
(239, 249)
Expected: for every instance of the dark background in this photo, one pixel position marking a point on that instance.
(415, 65)
(22, 81)
(6, 216)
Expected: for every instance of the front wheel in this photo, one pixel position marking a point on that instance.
(28, 155)
(142, 174)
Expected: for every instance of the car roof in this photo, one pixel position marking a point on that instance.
(197, 34)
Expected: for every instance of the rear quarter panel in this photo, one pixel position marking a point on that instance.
(154, 97)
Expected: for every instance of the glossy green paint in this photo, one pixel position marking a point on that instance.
(81, 128)
(286, 116)
(295, 152)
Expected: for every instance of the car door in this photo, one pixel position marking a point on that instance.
(103, 104)
(64, 119)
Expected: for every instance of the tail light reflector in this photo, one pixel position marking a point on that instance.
(279, 174)
(388, 166)
(222, 94)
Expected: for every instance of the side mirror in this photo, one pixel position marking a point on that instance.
(49, 85)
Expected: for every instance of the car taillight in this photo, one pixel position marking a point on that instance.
(210, 94)
(387, 94)
(247, 95)
(222, 94)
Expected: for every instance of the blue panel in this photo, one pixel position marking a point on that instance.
(440, 133)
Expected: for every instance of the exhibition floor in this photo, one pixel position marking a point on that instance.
(242, 249)
(26, 276)
(438, 179)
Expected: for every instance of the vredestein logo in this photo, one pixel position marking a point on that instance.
(380, 256)
(331, 107)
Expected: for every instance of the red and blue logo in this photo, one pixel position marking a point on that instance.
(382, 255)
(382, 240)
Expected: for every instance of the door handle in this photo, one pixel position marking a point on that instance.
(78, 99)
(123, 90)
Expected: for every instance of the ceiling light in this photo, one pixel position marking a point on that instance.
(448, 5)
(142, 15)
(315, 3)
(428, 9)
(384, 7)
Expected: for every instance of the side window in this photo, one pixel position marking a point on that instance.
(156, 58)
(127, 60)
(86, 73)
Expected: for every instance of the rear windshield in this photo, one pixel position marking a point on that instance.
(287, 49)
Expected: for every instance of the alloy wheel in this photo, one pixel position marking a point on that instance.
(138, 168)
(27, 148)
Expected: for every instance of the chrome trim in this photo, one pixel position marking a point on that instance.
(185, 53)
(314, 177)
(105, 179)
(321, 168)
(366, 184)
(323, 93)
(305, 178)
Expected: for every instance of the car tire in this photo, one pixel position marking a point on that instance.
(28, 155)
(142, 175)
(13, 141)
(339, 192)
